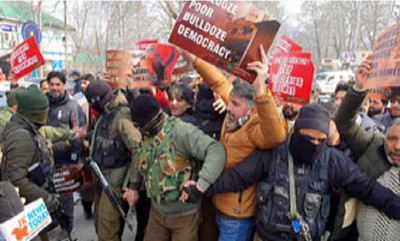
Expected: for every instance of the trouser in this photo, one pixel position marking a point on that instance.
(87, 200)
(142, 214)
(233, 229)
(161, 228)
(108, 223)
(67, 203)
(208, 229)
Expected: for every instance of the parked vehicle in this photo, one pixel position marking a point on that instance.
(327, 81)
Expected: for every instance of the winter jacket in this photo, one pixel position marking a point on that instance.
(341, 173)
(19, 153)
(190, 143)
(385, 119)
(187, 116)
(367, 148)
(263, 130)
(66, 113)
(122, 127)
(5, 116)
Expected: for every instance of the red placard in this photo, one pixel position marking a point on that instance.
(286, 45)
(225, 33)
(292, 76)
(72, 178)
(25, 58)
(386, 59)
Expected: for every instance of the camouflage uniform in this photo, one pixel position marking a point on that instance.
(178, 152)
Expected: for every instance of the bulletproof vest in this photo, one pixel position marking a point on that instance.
(41, 172)
(163, 170)
(312, 193)
(109, 152)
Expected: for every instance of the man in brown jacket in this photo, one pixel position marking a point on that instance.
(252, 122)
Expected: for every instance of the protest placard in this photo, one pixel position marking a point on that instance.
(285, 45)
(25, 58)
(155, 67)
(291, 76)
(386, 59)
(72, 178)
(118, 65)
(227, 34)
(27, 224)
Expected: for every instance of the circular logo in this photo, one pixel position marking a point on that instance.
(30, 29)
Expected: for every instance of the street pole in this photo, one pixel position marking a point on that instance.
(65, 37)
(40, 22)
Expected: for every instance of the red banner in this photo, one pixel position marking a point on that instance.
(386, 59)
(225, 33)
(25, 58)
(292, 76)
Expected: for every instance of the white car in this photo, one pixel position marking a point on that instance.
(327, 81)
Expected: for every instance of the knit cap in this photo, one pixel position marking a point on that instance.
(143, 109)
(313, 116)
(33, 104)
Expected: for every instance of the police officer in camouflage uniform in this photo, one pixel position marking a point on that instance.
(27, 157)
(174, 154)
(114, 148)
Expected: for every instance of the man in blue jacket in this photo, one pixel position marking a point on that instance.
(315, 169)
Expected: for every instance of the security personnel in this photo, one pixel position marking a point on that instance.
(114, 148)
(174, 153)
(28, 159)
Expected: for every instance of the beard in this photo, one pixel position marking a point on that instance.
(373, 111)
(289, 112)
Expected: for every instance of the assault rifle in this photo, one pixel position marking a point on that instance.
(115, 201)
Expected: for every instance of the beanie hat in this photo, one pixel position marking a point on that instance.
(75, 73)
(313, 116)
(33, 104)
(96, 90)
(143, 109)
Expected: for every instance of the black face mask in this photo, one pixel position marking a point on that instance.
(302, 150)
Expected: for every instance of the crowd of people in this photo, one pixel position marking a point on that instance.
(209, 158)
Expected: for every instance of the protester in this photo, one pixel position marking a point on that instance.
(378, 156)
(295, 180)
(181, 102)
(44, 86)
(393, 112)
(173, 152)
(6, 113)
(64, 113)
(366, 122)
(114, 148)
(76, 77)
(252, 122)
